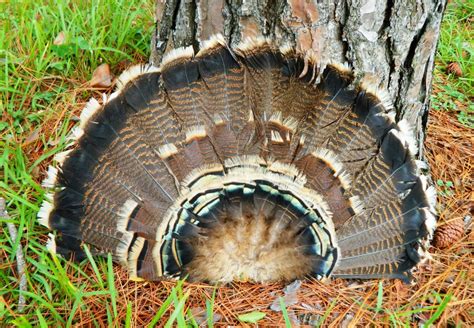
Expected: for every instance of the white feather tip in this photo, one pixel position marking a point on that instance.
(76, 133)
(91, 108)
(51, 177)
(132, 73)
(430, 192)
(356, 204)
(213, 42)
(167, 150)
(124, 214)
(195, 132)
(342, 67)
(407, 131)
(176, 55)
(250, 44)
(430, 222)
(45, 211)
(330, 158)
(51, 243)
(368, 85)
(62, 156)
(287, 50)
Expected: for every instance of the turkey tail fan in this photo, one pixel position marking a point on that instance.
(246, 163)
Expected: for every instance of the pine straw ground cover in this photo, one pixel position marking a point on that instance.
(43, 88)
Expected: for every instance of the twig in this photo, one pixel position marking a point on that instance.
(20, 260)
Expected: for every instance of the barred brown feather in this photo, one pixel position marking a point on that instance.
(246, 163)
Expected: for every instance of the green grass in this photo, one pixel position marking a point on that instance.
(36, 77)
(285, 313)
(40, 91)
(456, 45)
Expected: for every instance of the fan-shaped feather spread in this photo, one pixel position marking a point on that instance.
(244, 163)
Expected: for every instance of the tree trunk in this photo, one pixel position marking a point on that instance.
(395, 41)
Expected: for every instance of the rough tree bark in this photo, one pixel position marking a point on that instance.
(393, 40)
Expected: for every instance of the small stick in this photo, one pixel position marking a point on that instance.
(20, 260)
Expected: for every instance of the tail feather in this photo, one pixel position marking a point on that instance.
(335, 101)
(243, 163)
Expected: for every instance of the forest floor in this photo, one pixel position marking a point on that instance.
(48, 52)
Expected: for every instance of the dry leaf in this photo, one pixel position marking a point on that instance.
(102, 77)
(289, 298)
(348, 321)
(32, 137)
(200, 315)
(454, 68)
(402, 289)
(60, 38)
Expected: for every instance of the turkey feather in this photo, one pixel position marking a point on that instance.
(242, 163)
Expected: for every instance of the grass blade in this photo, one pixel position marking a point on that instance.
(327, 312)
(378, 308)
(128, 316)
(181, 321)
(178, 312)
(94, 266)
(285, 313)
(210, 309)
(163, 308)
(111, 283)
(439, 311)
(41, 319)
